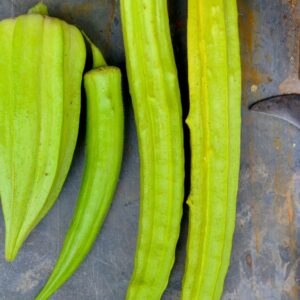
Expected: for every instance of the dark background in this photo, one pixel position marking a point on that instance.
(265, 259)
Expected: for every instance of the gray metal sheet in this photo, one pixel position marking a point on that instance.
(265, 259)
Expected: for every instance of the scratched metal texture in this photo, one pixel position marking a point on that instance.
(265, 259)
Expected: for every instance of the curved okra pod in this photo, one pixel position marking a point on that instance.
(214, 122)
(157, 107)
(41, 65)
(103, 163)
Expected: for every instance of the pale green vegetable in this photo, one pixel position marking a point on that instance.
(155, 95)
(41, 65)
(105, 122)
(215, 122)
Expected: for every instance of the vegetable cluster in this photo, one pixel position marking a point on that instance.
(42, 61)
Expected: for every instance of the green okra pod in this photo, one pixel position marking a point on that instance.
(155, 95)
(214, 121)
(43, 60)
(105, 122)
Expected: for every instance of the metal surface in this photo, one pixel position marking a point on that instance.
(265, 259)
(285, 107)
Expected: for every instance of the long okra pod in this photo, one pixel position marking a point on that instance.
(103, 162)
(157, 107)
(214, 122)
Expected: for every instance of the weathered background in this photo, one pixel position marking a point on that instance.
(265, 260)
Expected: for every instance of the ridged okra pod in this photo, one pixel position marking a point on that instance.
(214, 121)
(41, 65)
(105, 122)
(156, 101)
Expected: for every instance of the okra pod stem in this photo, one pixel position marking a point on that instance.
(156, 101)
(214, 122)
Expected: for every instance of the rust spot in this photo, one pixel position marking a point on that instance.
(277, 143)
(249, 260)
(287, 219)
(293, 3)
(248, 26)
(79, 9)
(285, 243)
(255, 77)
(291, 84)
(290, 158)
(110, 25)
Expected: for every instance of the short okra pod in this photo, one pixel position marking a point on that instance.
(104, 149)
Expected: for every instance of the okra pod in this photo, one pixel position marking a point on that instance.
(156, 101)
(214, 121)
(105, 122)
(73, 65)
(41, 69)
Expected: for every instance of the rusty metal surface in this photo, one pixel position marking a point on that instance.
(285, 107)
(265, 260)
